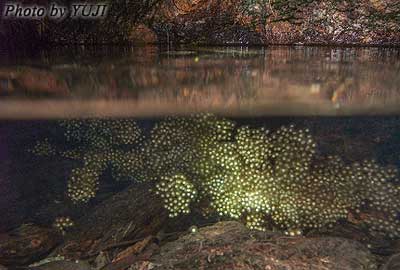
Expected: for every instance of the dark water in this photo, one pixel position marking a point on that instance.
(78, 128)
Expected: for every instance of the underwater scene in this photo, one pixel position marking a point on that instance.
(281, 158)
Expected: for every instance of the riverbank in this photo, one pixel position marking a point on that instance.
(224, 22)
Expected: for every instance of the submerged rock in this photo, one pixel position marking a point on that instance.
(64, 265)
(27, 244)
(230, 245)
(393, 263)
(101, 261)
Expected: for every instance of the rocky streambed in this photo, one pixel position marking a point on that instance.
(230, 245)
(125, 232)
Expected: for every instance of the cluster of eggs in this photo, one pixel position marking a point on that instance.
(380, 192)
(100, 144)
(255, 221)
(83, 184)
(175, 142)
(43, 148)
(128, 165)
(102, 133)
(249, 174)
(178, 193)
(258, 174)
(63, 224)
(124, 166)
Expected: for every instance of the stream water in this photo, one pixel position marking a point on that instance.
(293, 138)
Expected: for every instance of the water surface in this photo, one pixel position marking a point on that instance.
(239, 81)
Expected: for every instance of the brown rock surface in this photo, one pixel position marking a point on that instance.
(230, 245)
(41, 82)
(27, 244)
(393, 263)
(361, 22)
(339, 22)
(141, 34)
(64, 265)
(123, 217)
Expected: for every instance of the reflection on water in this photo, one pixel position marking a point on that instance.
(238, 81)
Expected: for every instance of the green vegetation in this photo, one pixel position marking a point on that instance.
(263, 178)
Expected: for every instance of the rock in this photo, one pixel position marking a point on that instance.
(141, 34)
(38, 81)
(283, 33)
(96, 231)
(377, 243)
(134, 249)
(101, 261)
(199, 24)
(64, 265)
(361, 22)
(47, 260)
(145, 265)
(281, 22)
(230, 245)
(6, 86)
(393, 263)
(27, 244)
